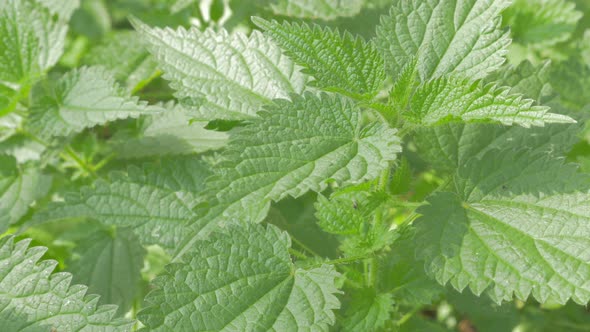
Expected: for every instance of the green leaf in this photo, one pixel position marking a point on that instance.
(292, 148)
(516, 172)
(23, 148)
(444, 36)
(109, 263)
(517, 226)
(296, 216)
(125, 54)
(367, 311)
(485, 315)
(571, 79)
(562, 319)
(299, 146)
(93, 20)
(62, 8)
(171, 132)
(242, 280)
(401, 180)
(313, 9)
(20, 186)
(157, 200)
(223, 76)
(402, 276)
(403, 88)
(81, 99)
(449, 99)
(351, 212)
(338, 62)
(32, 42)
(339, 216)
(532, 81)
(449, 146)
(35, 299)
(541, 22)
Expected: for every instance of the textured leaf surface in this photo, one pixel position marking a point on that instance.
(350, 212)
(367, 311)
(339, 62)
(313, 9)
(338, 216)
(62, 8)
(84, 98)
(449, 146)
(109, 263)
(445, 36)
(242, 280)
(447, 99)
(20, 186)
(156, 201)
(125, 54)
(517, 226)
(298, 146)
(171, 132)
(295, 147)
(34, 299)
(348, 209)
(224, 76)
(544, 22)
(532, 81)
(32, 42)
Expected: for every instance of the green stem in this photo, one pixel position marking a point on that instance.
(373, 269)
(88, 168)
(103, 162)
(134, 310)
(366, 273)
(34, 138)
(353, 284)
(410, 219)
(448, 180)
(145, 82)
(384, 179)
(297, 253)
(407, 204)
(305, 247)
(344, 260)
(407, 316)
(381, 187)
(373, 264)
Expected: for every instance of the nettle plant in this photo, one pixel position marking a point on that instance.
(294, 166)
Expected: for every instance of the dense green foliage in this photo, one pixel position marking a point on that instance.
(294, 165)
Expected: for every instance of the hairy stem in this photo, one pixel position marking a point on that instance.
(297, 253)
(85, 166)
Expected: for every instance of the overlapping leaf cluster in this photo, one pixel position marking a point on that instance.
(305, 175)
